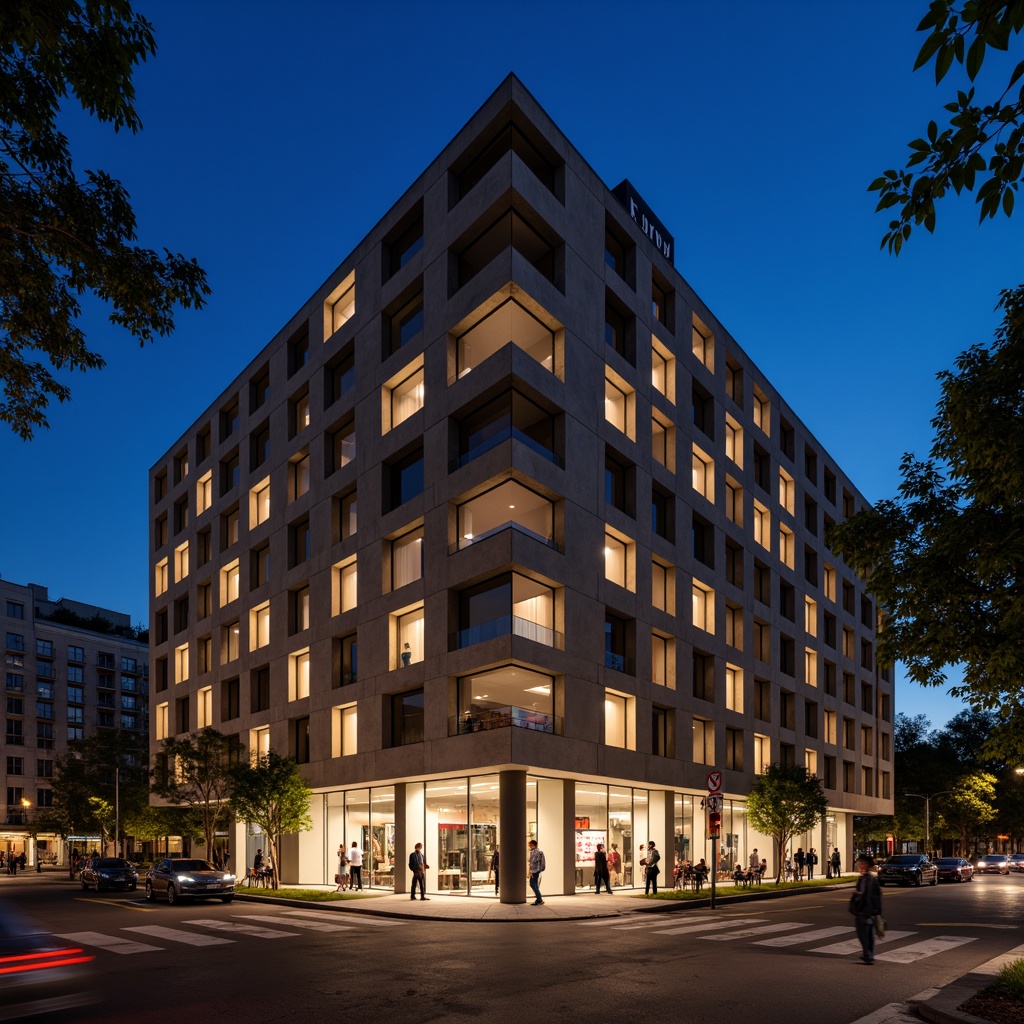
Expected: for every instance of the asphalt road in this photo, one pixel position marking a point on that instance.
(786, 961)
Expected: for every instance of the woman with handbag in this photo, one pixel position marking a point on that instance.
(866, 906)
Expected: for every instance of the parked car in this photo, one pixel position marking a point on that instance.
(1017, 862)
(908, 869)
(190, 879)
(992, 864)
(40, 973)
(954, 869)
(109, 873)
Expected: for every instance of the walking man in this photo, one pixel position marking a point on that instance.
(836, 862)
(355, 866)
(801, 858)
(812, 859)
(651, 875)
(601, 870)
(537, 867)
(866, 905)
(419, 867)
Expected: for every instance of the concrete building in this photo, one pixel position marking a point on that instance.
(504, 536)
(65, 679)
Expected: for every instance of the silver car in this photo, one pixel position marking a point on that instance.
(993, 864)
(181, 878)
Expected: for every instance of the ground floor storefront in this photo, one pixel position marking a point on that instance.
(475, 832)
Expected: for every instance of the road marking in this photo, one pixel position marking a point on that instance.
(792, 940)
(111, 903)
(158, 931)
(928, 947)
(853, 946)
(316, 926)
(764, 929)
(705, 926)
(333, 915)
(112, 943)
(244, 929)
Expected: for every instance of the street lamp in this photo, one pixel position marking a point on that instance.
(927, 813)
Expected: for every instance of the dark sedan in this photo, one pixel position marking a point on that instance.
(1016, 862)
(109, 873)
(181, 878)
(908, 869)
(954, 869)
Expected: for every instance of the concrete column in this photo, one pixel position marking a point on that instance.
(567, 881)
(512, 835)
(402, 841)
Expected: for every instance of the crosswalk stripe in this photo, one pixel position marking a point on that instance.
(332, 915)
(706, 926)
(853, 946)
(764, 929)
(927, 947)
(159, 931)
(792, 940)
(112, 943)
(316, 926)
(244, 929)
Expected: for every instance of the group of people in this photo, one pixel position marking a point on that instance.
(11, 863)
(802, 862)
(689, 875)
(350, 867)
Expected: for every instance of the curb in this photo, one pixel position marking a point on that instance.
(942, 1008)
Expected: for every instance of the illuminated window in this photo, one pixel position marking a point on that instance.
(181, 663)
(343, 731)
(204, 707)
(259, 743)
(507, 505)
(830, 727)
(829, 582)
(259, 503)
(162, 721)
(663, 442)
(663, 585)
(810, 617)
(786, 491)
(345, 590)
(618, 724)
(703, 345)
(403, 396)
(734, 441)
(703, 607)
(810, 667)
(811, 761)
(616, 560)
(231, 640)
(204, 492)
(734, 688)
(259, 626)
(301, 413)
(761, 410)
(663, 370)
(787, 546)
(663, 661)
(299, 470)
(341, 306)
(229, 579)
(407, 558)
(510, 322)
(407, 636)
(617, 406)
(160, 577)
(703, 475)
(733, 501)
(298, 675)
(762, 753)
(734, 626)
(762, 526)
(703, 741)
(181, 562)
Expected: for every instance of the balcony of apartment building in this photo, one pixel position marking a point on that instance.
(507, 416)
(509, 604)
(509, 697)
(506, 506)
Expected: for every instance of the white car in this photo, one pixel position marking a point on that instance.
(180, 878)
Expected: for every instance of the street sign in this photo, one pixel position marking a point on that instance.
(714, 782)
(714, 801)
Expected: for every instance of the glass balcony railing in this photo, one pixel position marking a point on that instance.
(618, 662)
(504, 718)
(504, 625)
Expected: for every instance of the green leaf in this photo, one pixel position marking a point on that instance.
(975, 58)
(943, 62)
(931, 44)
(1017, 72)
(1008, 202)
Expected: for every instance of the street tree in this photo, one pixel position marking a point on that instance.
(197, 777)
(785, 801)
(967, 811)
(65, 234)
(271, 795)
(944, 556)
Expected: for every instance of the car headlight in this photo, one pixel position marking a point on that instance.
(185, 878)
(229, 878)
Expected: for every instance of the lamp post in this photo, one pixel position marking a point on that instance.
(25, 805)
(117, 805)
(927, 813)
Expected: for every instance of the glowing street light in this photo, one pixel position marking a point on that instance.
(927, 813)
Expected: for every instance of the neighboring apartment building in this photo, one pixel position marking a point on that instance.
(62, 683)
(504, 536)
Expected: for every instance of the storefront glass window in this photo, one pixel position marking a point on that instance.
(446, 841)
(591, 828)
(382, 837)
(620, 832)
(483, 834)
(642, 831)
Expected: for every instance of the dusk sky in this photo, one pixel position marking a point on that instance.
(276, 135)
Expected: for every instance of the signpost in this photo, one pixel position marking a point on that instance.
(713, 802)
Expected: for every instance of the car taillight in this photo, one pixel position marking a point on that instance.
(42, 961)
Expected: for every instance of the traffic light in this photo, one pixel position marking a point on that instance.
(714, 822)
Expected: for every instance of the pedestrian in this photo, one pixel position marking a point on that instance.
(801, 859)
(812, 859)
(257, 868)
(754, 861)
(836, 863)
(12, 865)
(419, 867)
(866, 906)
(652, 872)
(537, 867)
(615, 864)
(342, 876)
(601, 871)
(355, 867)
(494, 868)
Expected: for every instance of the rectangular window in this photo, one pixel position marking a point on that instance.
(734, 441)
(347, 653)
(259, 503)
(204, 492)
(341, 306)
(348, 517)
(298, 612)
(615, 567)
(703, 607)
(259, 626)
(341, 446)
(703, 475)
(231, 636)
(345, 731)
(734, 749)
(618, 726)
(663, 661)
(829, 735)
(404, 397)
(703, 676)
(15, 610)
(298, 675)
(298, 470)
(762, 526)
(181, 562)
(734, 688)
(407, 558)
(230, 705)
(663, 587)
(407, 636)
(761, 410)
(346, 578)
(229, 581)
(733, 501)
(703, 741)
(618, 406)
(703, 344)
(204, 708)
(181, 663)
(259, 689)
(663, 370)
(298, 543)
(407, 718)
(663, 444)
(403, 480)
(762, 753)
(300, 413)
(162, 721)
(160, 583)
(786, 491)
(787, 546)
(403, 321)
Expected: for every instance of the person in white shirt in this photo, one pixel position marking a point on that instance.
(355, 864)
(537, 866)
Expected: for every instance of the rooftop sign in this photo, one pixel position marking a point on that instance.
(644, 218)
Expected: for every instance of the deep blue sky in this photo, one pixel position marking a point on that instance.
(275, 136)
